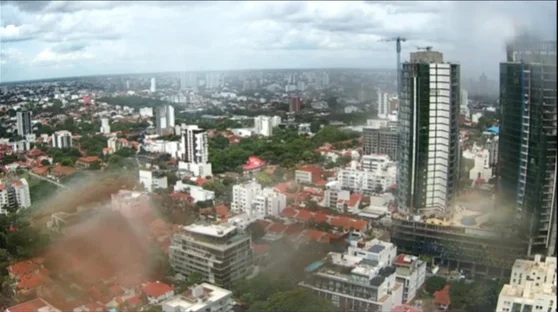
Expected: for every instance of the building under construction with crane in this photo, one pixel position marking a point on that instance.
(430, 222)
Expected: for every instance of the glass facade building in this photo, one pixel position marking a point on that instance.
(428, 142)
(527, 149)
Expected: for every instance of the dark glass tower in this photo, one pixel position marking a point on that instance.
(428, 143)
(527, 147)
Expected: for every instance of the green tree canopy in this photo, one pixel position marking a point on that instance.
(297, 300)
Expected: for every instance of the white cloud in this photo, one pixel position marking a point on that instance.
(158, 36)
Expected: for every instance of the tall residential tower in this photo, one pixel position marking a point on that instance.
(527, 148)
(428, 133)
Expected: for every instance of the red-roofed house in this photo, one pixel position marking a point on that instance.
(308, 174)
(304, 215)
(222, 211)
(320, 217)
(22, 268)
(86, 162)
(156, 291)
(253, 165)
(35, 305)
(277, 228)
(289, 212)
(442, 298)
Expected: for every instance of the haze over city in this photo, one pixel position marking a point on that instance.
(49, 39)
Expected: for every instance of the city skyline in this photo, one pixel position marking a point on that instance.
(43, 40)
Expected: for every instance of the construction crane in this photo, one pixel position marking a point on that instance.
(427, 48)
(398, 41)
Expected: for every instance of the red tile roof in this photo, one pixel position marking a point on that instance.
(155, 289)
(277, 228)
(254, 163)
(294, 229)
(202, 181)
(317, 235)
(360, 225)
(289, 212)
(354, 199)
(442, 296)
(134, 301)
(89, 159)
(30, 306)
(320, 217)
(221, 210)
(21, 268)
(264, 224)
(32, 281)
(304, 215)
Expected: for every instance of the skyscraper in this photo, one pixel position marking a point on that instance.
(164, 119)
(428, 143)
(24, 125)
(153, 87)
(527, 147)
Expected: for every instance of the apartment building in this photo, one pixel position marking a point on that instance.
(222, 253)
(368, 182)
(251, 199)
(62, 139)
(13, 195)
(197, 192)
(532, 287)
(24, 123)
(105, 126)
(152, 180)
(164, 118)
(374, 162)
(380, 137)
(361, 279)
(335, 196)
(264, 125)
(200, 298)
(411, 273)
(130, 203)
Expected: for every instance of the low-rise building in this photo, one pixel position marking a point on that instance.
(156, 292)
(532, 286)
(196, 192)
(411, 273)
(35, 305)
(152, 180)
(361, 279)
(254, 165)
(88, 162)
(308, 174)
(200, 298)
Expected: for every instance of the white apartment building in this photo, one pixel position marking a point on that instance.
(383, 104)
(105, 126)
(532, 287)
(146, 112)
(162, 146)
(197, 192)
(251, 199)
(62, 139)
(275, 121)
(263, 125)
(269, 203)
(374, 162)
(13, 195)
(188, 82)
(153, 87)
(197, 169)
(411, 273)
(206, 249)
(21, 146)
(481, 168)
(194, 145)
(335, 196)
(24, 123)
(378, 176)
(361, 279)
(200, 298)
(152, 180)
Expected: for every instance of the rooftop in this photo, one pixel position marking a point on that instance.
(197, 297)
(216, 230)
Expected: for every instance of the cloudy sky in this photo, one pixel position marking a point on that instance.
(60, 39)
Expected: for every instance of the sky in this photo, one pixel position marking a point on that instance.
(49, 39)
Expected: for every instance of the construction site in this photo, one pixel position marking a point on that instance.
(472, 237)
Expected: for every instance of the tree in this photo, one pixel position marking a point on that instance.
(434, 283)
(45, 162)
(256, 231)
(297, 300)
